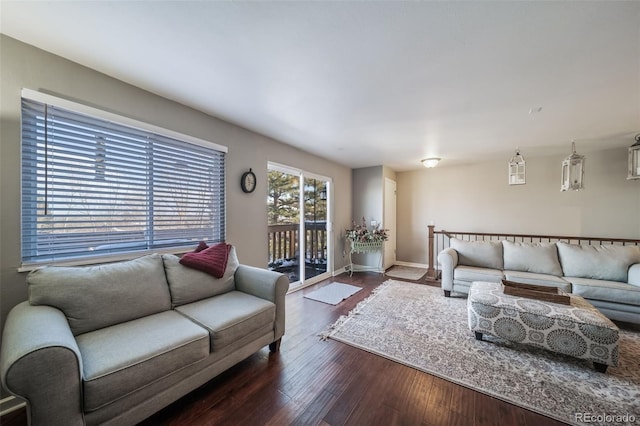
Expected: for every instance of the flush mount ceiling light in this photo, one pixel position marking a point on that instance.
(430, 162)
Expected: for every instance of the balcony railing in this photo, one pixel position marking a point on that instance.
(284, 244)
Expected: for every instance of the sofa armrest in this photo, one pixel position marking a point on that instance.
(634, 274)
(40, 362)
(448, 258)
(268, 285)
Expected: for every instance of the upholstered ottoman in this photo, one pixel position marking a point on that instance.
(578, 330)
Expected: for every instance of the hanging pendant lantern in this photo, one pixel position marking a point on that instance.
(634, 159)
(573, 171)
(517, 169)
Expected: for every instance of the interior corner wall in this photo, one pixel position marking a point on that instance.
(388, 173)
(477, 198)
(24, 66)
(367, 199)
(367, 194)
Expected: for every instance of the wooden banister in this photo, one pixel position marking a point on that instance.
(451, 234)
(431, 271)
(435, 246)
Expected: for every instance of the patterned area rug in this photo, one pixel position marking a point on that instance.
(333, 293)
(417, 326)
(406, 272)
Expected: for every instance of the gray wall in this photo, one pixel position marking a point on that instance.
(477, 198)
(23, 66)
(368, 198)
(367, 193)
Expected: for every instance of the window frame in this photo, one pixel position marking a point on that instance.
(32, 95)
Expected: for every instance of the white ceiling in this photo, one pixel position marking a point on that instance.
(369, 83)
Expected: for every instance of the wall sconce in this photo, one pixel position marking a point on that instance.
(517, 169)
(573, 171)
(634, 159)
(430, 162)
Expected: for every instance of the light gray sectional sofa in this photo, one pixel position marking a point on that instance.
(608, 276)
(113, 344)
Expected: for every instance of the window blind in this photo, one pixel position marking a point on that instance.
(93, 187)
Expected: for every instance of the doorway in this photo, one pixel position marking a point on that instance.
(299, 226)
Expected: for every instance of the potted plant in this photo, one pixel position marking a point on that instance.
(364, 239)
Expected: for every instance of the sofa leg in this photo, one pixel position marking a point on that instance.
(447, 293)
(275, 346)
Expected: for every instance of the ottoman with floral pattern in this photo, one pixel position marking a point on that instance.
(578, 330)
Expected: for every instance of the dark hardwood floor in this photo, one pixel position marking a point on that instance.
(314, 382)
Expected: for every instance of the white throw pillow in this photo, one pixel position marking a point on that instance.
(483, 254)
(608, 262)
(539, 258)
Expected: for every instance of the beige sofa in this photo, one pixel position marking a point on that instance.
(608, 276)
(113, 344)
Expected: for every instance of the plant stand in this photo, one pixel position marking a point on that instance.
(366, 247)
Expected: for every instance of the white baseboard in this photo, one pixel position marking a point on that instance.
(415, 265)
(300, 287)
(10, 404)
(339, 271)
(364, 268)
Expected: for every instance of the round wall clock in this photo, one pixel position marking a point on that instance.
(248, 181)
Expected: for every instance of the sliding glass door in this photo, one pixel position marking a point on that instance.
(283, 211)
(298, 224)
(315, 227)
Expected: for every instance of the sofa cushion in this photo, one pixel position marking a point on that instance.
(539, 258)
(230, 316)
(538, 279)
(119, 359)
(483, 254)
(94, 297)
(609, 291)
(190, 285)
(631, 312)
(472, 273)
(608, 262)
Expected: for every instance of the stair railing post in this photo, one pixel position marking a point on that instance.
(431, 272)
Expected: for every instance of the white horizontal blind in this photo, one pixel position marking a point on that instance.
(93, 187)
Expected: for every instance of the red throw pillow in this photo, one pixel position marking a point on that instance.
(212, 260)
(201, 246)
